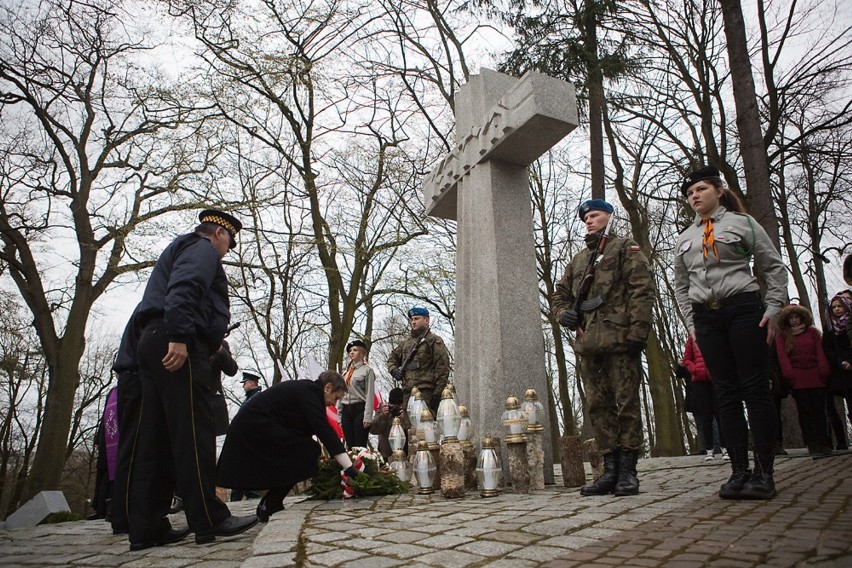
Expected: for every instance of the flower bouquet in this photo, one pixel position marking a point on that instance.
(375, 478)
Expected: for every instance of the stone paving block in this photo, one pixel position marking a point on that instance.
(444, 541)
(402, 537)
(569, 542)
(406, 551)
(334, 557)
(270, 561)
(451, 559)
(272, 547)
(488, 548)
(537, 553)
(510, 563)
(594, 533)
(159, 562)
(470, 530)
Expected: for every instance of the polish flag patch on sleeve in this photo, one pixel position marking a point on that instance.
(635, 248)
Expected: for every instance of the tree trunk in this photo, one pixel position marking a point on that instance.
(669, 437)
(49, 458)
(752, 147)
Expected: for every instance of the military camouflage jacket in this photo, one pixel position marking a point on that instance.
(623, 279)
(429, 370)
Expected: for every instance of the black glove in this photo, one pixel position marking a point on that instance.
(635, 348)
(397, 374)
(569, 319)
(350, 472)
(434, 402)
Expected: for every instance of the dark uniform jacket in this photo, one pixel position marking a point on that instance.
(429, 370)
(269, 442)
(623, 279)
(188, 288)
(125, 358)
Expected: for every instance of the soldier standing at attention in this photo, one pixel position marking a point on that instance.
(610, 339)
(182, 319)
(425, 358)
(719, 297)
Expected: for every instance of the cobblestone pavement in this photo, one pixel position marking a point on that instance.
(676, 521)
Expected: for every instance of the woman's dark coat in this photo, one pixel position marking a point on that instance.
(269, 441)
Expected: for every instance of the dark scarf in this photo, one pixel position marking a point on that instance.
(839, 325)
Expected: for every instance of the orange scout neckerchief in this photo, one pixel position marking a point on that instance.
(708, 242)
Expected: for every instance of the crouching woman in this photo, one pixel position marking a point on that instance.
(270, 445)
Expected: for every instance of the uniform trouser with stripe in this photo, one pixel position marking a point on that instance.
(176, 448)
(129, 406)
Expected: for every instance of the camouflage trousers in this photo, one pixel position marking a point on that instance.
(612, 385)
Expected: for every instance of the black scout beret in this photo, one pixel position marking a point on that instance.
(707, 172)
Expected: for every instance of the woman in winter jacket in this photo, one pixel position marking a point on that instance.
(705, 396)
(838, 349)
(804, 365)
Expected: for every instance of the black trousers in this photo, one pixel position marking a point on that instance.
(129, 414)
(735, 351)
(176, 447)
(810, 404)
(352, 422)
(708, 408)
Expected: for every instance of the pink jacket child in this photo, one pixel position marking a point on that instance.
(800, 354)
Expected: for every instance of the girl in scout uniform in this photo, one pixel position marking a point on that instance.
(356, 407)
(733, 326)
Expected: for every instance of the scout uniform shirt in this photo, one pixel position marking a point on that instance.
(738, 237)
(623, 279)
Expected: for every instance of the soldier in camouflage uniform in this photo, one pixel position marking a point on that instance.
(429, 367)
(609, 345)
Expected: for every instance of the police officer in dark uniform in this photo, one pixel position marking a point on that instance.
(251, 384)
(129, 406)
(182, 319)
(425, 359)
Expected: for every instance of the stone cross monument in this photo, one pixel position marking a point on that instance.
(503, 124)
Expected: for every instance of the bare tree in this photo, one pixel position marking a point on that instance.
(92, 150)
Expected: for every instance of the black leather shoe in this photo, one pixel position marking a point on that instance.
(169, 537)
(265, 510)
(229, 527)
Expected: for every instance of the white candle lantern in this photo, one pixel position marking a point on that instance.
(424, 469)
(449, 417)
(415, 408)
(533, 409)
(428, 431)
(396, 437)
(400, 466)
(465, 426)
(514, 421)
(488, 470)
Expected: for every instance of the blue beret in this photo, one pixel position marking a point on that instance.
(594, 205)
(418, 311)
(707, 172)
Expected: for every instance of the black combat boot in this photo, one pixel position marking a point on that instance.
(606, 482)
(761, 485)
(628, 482)
(739, 476)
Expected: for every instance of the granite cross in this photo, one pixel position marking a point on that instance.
(503, 124)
